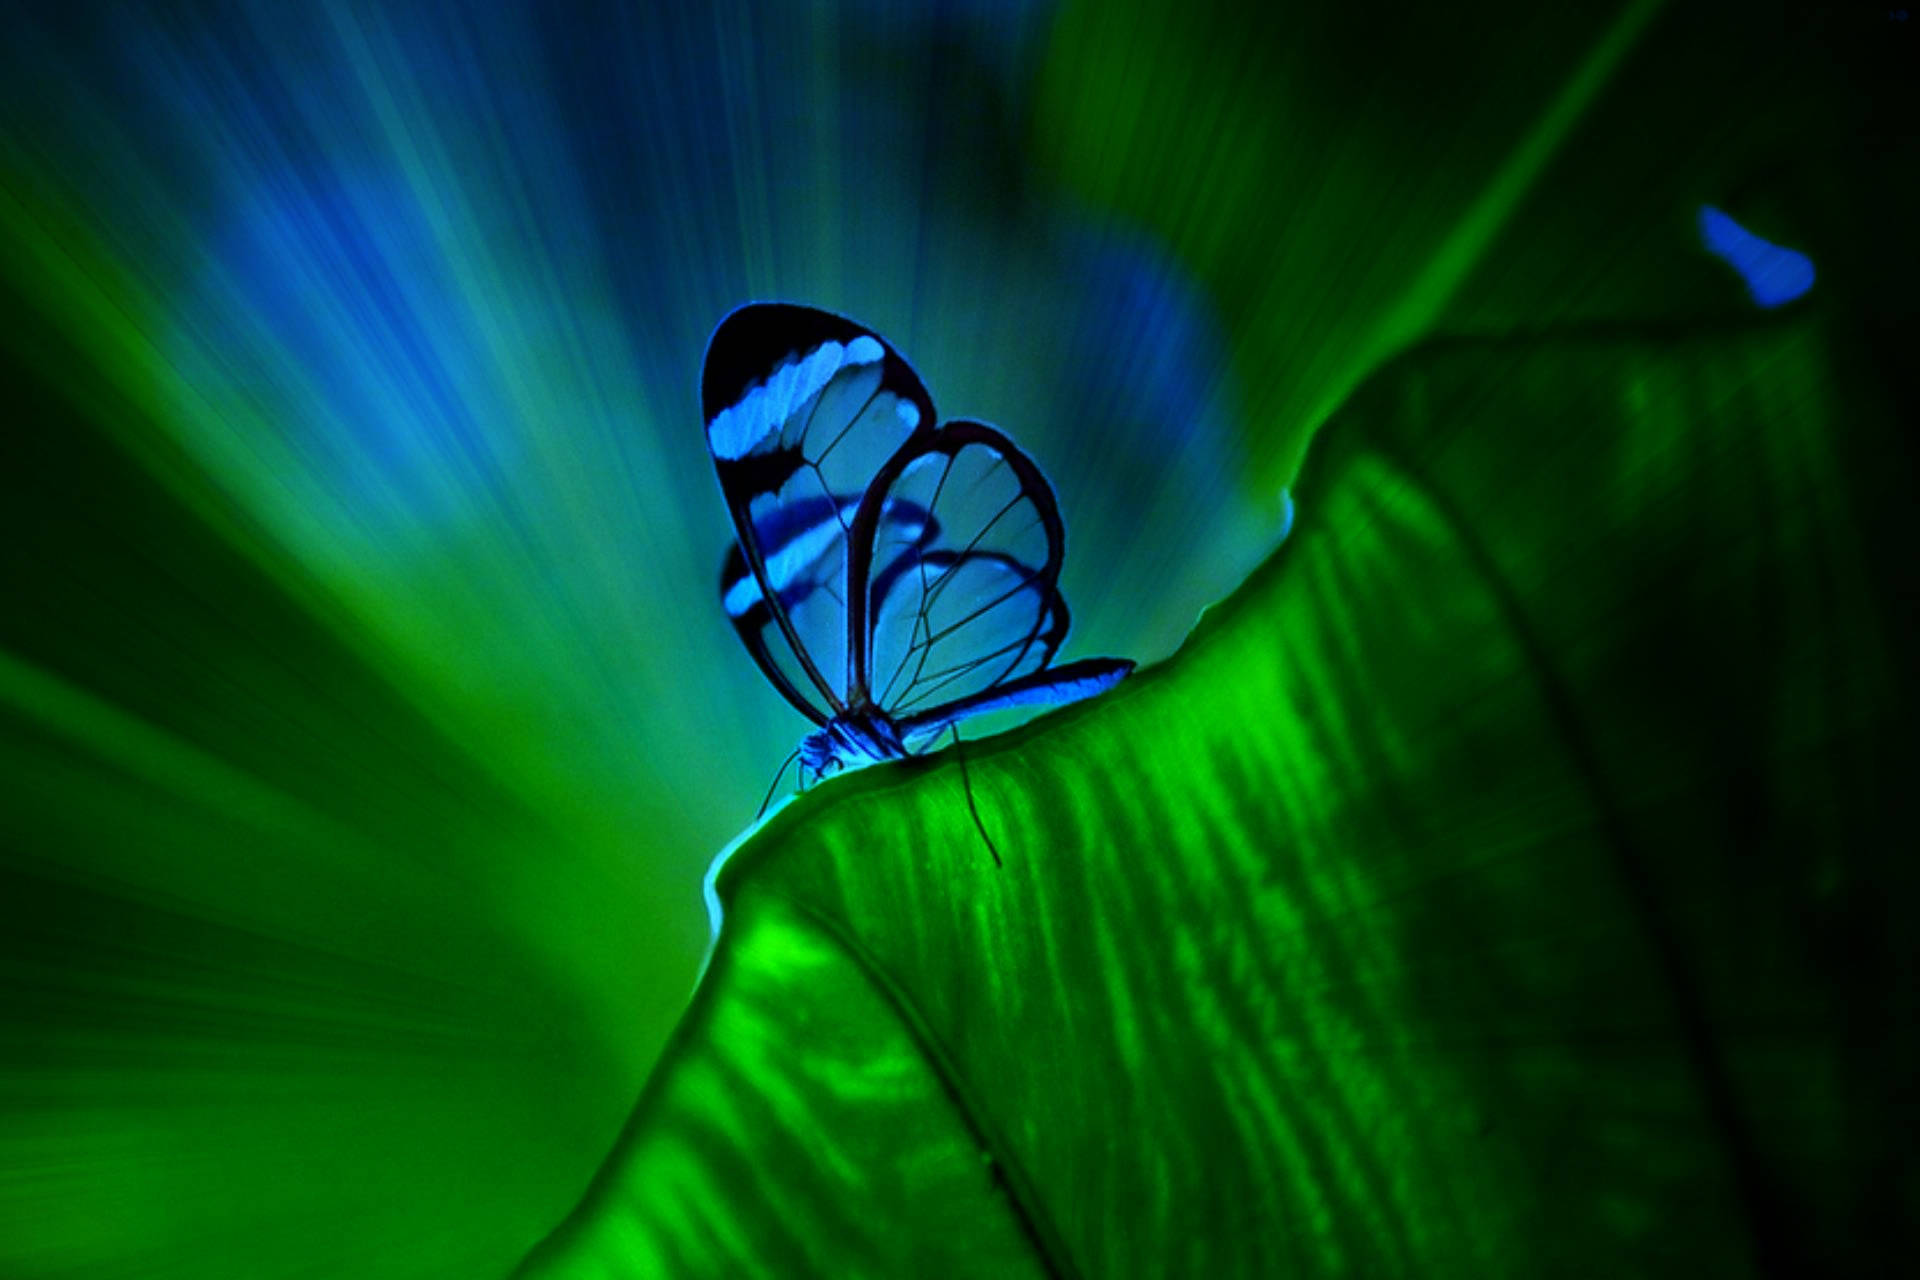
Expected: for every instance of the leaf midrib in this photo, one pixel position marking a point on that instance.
(1774, 1251)
(1022, 1196)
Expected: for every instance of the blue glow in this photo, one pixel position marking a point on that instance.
(1774, 275)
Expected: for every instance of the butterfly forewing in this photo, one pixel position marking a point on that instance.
(804, 409)
(973, 601)
(804, 550)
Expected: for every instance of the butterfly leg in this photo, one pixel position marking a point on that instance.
(812, 773)
(967, 785)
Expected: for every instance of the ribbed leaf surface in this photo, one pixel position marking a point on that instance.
(1484, 889)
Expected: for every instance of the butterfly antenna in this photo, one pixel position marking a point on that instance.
(972, 808)
(759, 813)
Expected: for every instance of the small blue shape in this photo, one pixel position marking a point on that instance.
(1774, 275)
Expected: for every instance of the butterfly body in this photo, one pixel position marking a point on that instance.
(891, 576)
(853, 738)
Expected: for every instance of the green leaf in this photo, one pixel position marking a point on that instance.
(1346, 182)
(1491, 886)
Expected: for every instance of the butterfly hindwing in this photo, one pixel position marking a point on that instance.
(1048, 687)
(804, 408)
(976, 604)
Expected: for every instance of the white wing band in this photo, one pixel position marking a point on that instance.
(753, 423)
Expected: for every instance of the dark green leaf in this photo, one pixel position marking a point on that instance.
(1489, 887)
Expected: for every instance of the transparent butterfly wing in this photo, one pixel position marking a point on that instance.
(804, 409)
(802, 545)
(973, 603)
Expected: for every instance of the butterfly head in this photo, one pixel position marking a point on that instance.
(855, 737)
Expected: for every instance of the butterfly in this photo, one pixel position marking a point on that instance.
(892, 576)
